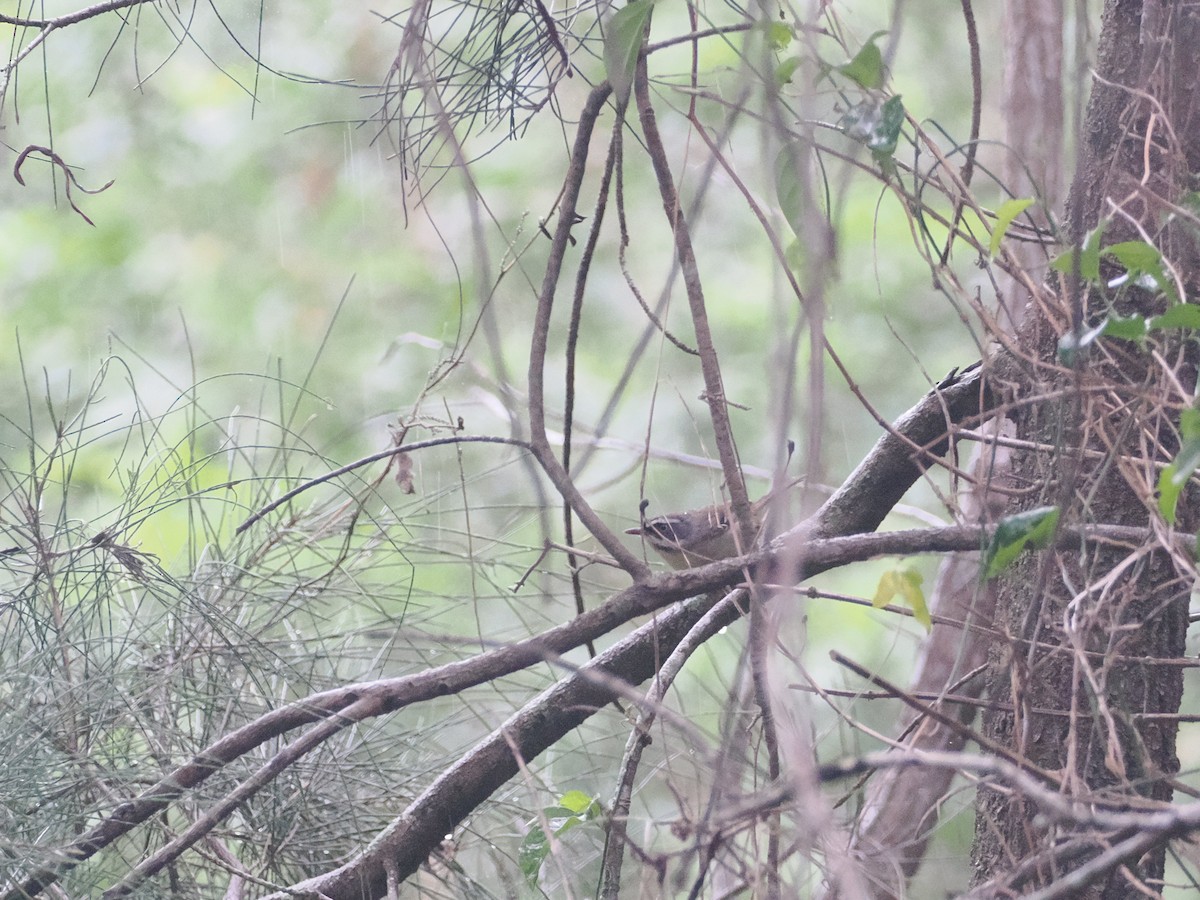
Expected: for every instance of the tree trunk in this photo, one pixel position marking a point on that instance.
(1077, 676)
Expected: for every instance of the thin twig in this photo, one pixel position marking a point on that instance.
(376, 457)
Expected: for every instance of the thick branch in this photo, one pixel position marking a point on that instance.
(80, 15)
(877, 484)
(634, 659)
(917, 440)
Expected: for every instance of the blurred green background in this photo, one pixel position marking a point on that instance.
(261, 274)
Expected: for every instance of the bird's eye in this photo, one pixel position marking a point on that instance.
(671, 530)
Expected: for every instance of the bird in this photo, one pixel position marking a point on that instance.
(700, 536)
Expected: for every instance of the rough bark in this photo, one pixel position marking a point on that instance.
(1077, 671)
(900, 806)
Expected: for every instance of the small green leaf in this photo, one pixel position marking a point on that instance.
(780, 35)
(574, 808)
(1005, 215)
(904, 583)
(786, 69)
(563, 824)
(1175, 475)
(867, 66)
(876, 125)
(1182, 315)
(1089, 258)
(1189, 424)
(532, 853)
(788, 190)
(1034, 528)
(885, 590)
(1170, 486)
(883, 139)
(1127, 328)
(1065, 261)
(622, 44)
(578, 802)
(1144, 267)
(1135, 255)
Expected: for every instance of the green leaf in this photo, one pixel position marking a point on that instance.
(1175, 476)
(1089, 257)
(1005, 215)
(883, 139)
(788, 190)
(574, 808)
(1170, 486)
(1182, 315)
(867, 66)
(578, 802)
(1189, 424)
(904, 583)
(532, 853)
(622, 44)
(1033, 528)
(786, 69)
(1142, 262)
(1065, 262)
(1136, 255)
(780, 35)
(1128, 328)
(876, 125)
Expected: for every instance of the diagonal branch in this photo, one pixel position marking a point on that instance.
(546, 719)
(80, 15)
(887, 472)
